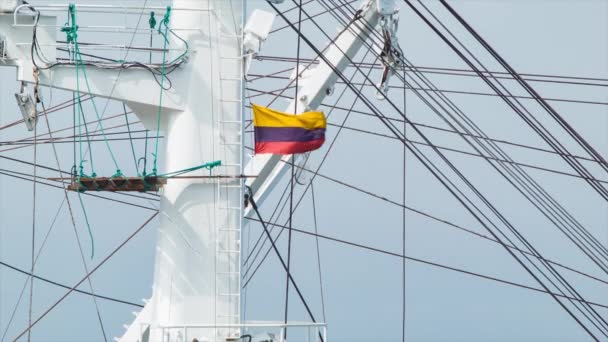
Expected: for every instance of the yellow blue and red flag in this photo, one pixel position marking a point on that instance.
(282, 133)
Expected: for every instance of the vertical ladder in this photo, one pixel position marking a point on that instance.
(229, 191)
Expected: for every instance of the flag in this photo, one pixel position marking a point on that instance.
(281, 133)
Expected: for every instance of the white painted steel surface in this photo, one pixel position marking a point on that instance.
(191, 247)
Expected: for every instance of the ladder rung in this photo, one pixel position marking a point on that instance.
(234, 101)
(231, 122)
(231, 143)
(229, 316)
(228, 273)
(229, 294)
(231, 79)
(228, 251)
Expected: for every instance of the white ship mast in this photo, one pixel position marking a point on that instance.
(197, 289)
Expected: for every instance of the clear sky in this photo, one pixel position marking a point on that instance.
(362, 290)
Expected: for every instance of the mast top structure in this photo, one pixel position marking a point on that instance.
(197, 288)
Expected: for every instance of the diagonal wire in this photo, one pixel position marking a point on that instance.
(331, 145)
(73, 221)
(453, 191)
(426, 262)
(90, 273)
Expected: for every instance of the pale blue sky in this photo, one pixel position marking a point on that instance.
(362, 290)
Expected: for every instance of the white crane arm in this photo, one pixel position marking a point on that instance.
(315, 86)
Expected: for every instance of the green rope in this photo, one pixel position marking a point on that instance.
(164, 22)
(86, 132)
(71, 30)
(105, 138)
(166, 19)
(124, 107)
(86, 218)
(209, 166)
(147, 186)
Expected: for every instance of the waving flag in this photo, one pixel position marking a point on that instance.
(281, 133)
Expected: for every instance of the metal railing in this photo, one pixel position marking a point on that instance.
(299, 331)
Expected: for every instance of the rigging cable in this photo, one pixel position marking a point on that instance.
(429, 216)
(585, 235)
(500, 141)
(567, 127)
(254, 206)
(314, 217)
(131, 139)
(33, 245)
(48, 281)
(565, 215)
(27, 141)
(430, 263)
(61, 140)
(559, 79)
(53, 109)
(287, 187)
(418, 124)
(71, 30)
(164, 22)
(73, 288)
(73, 222)
(581, 229)
(435, 218)
(530, 120)
(562, 209)
(24, 287)
(331, 145)
(403, 212)
(531, 166)
(293, 176)
(428, 166)
(526, 242)
(463, 92)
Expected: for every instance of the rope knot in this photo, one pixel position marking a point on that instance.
(152, 20)
(167, 16)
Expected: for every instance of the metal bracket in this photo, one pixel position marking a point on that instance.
(16, 14)
(255, 33)
(391, 53)
(28, 107)
(3, 47)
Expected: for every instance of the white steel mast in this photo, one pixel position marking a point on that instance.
(197, 288)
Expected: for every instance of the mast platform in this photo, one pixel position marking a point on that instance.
(118, 184)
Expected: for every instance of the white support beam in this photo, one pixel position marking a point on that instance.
(122, 85)
(315, 86)
(125, 85)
